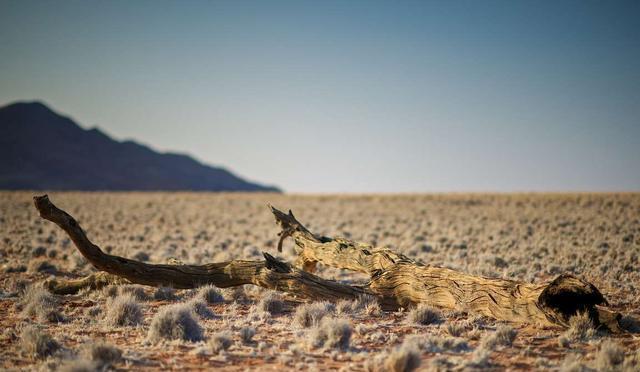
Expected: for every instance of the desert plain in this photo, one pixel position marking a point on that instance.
(524, 237)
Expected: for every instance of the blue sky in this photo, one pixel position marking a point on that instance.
(349, 96)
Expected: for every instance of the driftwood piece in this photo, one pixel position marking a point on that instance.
(393, 275)
(270, 273)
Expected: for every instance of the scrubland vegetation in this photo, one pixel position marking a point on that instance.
(132, 327)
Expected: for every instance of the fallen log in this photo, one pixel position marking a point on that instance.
(393, 275)
(270, 273)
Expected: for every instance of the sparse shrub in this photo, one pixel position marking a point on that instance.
(210, 294)
(480, 359)
(135, 290)
(37, 344)
(405, 358)
(38, 251)
(79, 365)
(246, 334)
(331, 333)
(220, 341)
(103, 354)
(308, 315)
(165, 294)
(200, 307)
(110, 291)
(572, 363)
(41, 266)
(503, 336)
(271, 302)
(345, 307)
(455, 329)
(581, 328)
(123, 310)
(437, 344)
(424, 315)
(175, 322)
(40, 303)
(609, 357)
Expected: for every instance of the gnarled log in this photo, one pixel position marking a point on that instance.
(270, 273)
(393, 275)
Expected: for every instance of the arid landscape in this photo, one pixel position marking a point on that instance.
(524, 237)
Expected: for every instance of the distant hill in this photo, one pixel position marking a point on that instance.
(42, 150)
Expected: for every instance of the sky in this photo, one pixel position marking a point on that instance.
(349, 96)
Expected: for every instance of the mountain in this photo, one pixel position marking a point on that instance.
(42, 150)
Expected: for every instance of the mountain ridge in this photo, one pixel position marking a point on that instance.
(41, 149)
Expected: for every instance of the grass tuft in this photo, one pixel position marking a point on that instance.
(175, 322)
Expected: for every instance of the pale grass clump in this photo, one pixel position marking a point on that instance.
(210, 294)
(271, 303)
(439, 344)
(331, 333)
(219, 342)
(165, 294)
(123, 310)
(37, 344)
(610, 356)
(480, 359)
(79, 365)
(41, 303)
(309, 315)
(455, 329)
(103, 354)
(423, 315)
(581, 328)
(405, 358)
(200, 307)
(246, 334)
(503, 336)
(175, 322)
(572, 363)
(135, 290)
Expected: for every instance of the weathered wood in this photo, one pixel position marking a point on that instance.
(270, 273)
(393, 275)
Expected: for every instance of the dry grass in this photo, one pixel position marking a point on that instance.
(175, 322)
(123, 310)
(520, 237)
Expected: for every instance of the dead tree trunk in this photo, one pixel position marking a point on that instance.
(395, 279)
(270, 273)
(410, 282)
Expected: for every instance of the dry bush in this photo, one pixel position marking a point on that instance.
(123, 310)
(210, 294)
(310, 315)
(630, 323)
(331, 333)
(480, 359)
(165, 294)
(136, 290)
(220, 341)
(41, 266)
(36, 343)
(103, 354)
(175, 322)
(246, 334)
(200, 307)
(423, 315)
(79, 365)
(503, 336)
(609, 357)
(572, 363)
(439, 344)
(581, 328)
(271, 302)
(40, 303)
(455, 329)
(405, 358)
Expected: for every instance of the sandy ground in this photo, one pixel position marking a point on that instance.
(523, 237)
